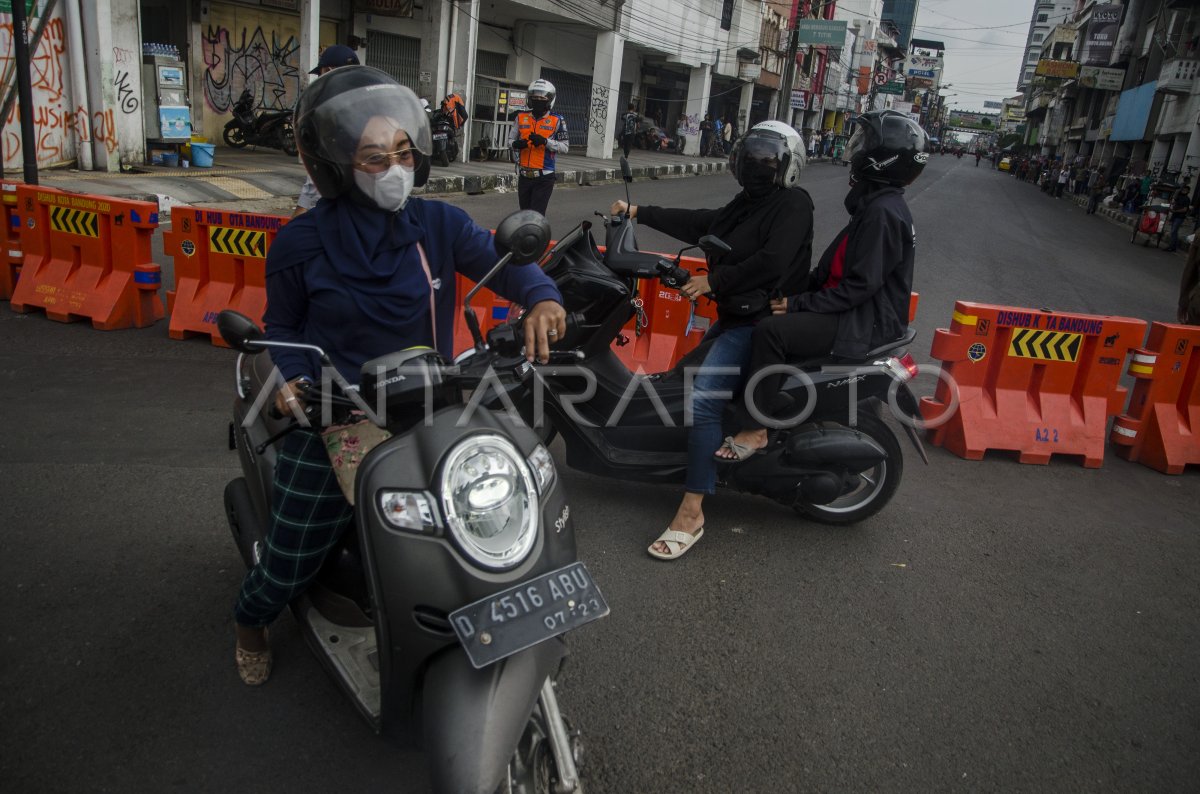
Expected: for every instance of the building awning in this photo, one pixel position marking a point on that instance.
(1133, 111)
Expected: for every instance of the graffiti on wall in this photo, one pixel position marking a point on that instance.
(264, 62)
(599, 114)
(127, 100)
(53, 122)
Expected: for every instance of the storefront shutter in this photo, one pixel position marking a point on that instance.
(399, 56)
(573, 102)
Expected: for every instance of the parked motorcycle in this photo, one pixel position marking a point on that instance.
(841, 464)
(269, 128)
(441, 615)
(445, 138)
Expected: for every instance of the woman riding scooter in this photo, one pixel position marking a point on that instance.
(368, 271)
(858, 297)
(769, 226)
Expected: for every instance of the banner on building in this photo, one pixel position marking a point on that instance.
(1059, 69)
(1100, 78)
(902, 107)
(799, 99)
(1133, 111)
(987, 103)
(821, 31)
(928, 73)
(1101, 35)
(385, 8)
(920, 83)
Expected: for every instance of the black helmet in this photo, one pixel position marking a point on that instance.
(887, 146)
(333, 113)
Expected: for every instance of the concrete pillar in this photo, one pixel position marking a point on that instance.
(610, 50)
(113, 57)
(744, 103)
(310, 39)
(83, 141)
(472, 25)
(697, 105)
(1191, 157)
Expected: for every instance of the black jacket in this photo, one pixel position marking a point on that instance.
(871, 300)
(770, 237)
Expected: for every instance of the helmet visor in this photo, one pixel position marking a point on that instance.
(858, 142)
(760, 157)
(357, 125)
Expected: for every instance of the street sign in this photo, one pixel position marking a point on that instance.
(821, 31)
(894, 87)
(6, 7)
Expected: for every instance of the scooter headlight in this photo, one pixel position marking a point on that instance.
(491, 501)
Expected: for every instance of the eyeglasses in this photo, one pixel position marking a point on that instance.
(381, 161)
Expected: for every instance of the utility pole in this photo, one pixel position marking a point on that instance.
(24, 91)
(783, 111)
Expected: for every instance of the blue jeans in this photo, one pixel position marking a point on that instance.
(716, 383)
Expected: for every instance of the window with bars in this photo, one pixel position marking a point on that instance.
(491, 64)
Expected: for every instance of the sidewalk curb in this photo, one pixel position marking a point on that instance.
(505, 183)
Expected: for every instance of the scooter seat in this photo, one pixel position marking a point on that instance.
(871, 355)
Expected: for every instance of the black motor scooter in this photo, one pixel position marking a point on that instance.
(445, 138)
(269, 128)
(441, 616)
(836, 461)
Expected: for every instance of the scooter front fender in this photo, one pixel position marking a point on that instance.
(473, 719)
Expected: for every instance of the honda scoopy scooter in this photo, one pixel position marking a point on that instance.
(835, 460)
(442, 613)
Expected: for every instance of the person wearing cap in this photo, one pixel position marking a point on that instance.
(331, 58)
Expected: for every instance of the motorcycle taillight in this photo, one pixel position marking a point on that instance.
(904, 368)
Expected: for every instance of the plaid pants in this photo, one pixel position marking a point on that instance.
(308, 516)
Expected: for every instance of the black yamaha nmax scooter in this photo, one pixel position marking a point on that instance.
(838, 462)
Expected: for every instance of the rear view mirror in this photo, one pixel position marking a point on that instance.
(525, 234)
(711, 244)
(626, 173)
(239, 331)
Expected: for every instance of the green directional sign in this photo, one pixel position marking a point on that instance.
(6, 7)
(821, 31)
(894, 87)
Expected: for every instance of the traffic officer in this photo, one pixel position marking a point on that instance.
(537, 138)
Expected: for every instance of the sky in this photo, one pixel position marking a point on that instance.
(985, 44)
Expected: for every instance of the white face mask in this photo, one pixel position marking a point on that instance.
(388, 189)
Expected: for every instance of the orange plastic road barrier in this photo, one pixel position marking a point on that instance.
(220, 263)
(10, 240)
(668, 325)
(1037, 382)
(490, 309)
(1161, 427)
(88, 257)
(913, 301)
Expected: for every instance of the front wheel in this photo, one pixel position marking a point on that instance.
(233, 137)
(441, 157)
(875, 486)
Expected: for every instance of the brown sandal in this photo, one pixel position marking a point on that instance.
(254, 667)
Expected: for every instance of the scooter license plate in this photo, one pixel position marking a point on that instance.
(440, 136)
(520, 617)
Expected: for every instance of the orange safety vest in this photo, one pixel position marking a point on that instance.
(537, 157)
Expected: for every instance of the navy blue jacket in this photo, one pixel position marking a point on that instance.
(349, 279)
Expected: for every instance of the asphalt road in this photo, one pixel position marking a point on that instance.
(998, 627)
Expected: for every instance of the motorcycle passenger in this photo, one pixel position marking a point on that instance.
(858, 296)
(769, 226)
(537, 137)
(331, 58)
(367, 272)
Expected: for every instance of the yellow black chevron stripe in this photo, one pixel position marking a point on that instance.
(239, 242)
(1045, 345)
(82, 222)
